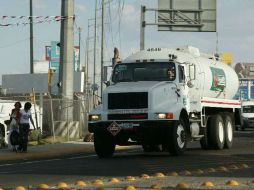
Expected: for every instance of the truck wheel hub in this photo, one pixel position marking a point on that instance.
(221, 132)
(180, 136)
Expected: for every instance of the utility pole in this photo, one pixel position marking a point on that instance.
(88, 50)
(31, 39)
(94, 56)
(86, 90)
(87, 53)
(86, 66)
(142, 27)
(66, 59)
(79, 39)
(102, 42)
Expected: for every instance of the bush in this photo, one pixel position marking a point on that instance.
(35, 135)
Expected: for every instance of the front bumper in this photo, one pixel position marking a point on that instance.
(140, 132)
(101, 126)
(248, 123)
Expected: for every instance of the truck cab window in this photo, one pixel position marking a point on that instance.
(122, 73)
(152, 71)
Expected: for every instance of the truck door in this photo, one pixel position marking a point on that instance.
(183, 88)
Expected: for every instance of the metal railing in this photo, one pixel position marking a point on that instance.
(56, 117)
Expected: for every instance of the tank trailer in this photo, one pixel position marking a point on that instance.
(164, 98)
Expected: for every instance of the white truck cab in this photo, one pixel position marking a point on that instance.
(166, 97)
(247, 114)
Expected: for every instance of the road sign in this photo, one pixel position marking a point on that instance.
(187, 15)
(246, 89)
(54, 56)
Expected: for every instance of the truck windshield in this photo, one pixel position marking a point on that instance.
(155, 71)
(248, 109)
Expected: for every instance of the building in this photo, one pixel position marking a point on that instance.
(245, 72)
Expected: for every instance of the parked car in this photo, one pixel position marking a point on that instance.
(247, 114)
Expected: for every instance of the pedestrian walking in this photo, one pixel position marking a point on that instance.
(25, 117)
(14, 125)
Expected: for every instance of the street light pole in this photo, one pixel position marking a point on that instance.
(79, 39)
(102, 42)
(31, 39)
(94, 56)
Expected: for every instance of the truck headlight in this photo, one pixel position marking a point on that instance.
(95, 117)
(165, 115)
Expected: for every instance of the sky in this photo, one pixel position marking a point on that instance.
(235, 31)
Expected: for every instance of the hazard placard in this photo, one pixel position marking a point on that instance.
(114, 128)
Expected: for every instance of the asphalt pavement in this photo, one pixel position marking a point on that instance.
(47, 151)
(72, 161)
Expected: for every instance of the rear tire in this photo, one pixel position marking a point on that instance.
(217, 132)
(104, 145)
(205, 142)
(177, 139)
(228, 131)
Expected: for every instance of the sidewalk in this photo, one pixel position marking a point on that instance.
(47, 151)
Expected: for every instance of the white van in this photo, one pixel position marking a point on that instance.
(247, 114)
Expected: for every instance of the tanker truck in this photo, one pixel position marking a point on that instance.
(163, 98)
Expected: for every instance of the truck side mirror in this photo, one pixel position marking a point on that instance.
(192, 75)
(192, 72)
(190, 83)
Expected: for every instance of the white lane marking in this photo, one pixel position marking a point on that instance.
(58, 159)
(7, 172)
(78, 157)
(49, 160)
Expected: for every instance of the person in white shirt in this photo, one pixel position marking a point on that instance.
(25, 117)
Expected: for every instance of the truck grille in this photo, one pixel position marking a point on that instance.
(127, 116)
(130, 100)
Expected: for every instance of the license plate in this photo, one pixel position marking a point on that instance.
(126, 125)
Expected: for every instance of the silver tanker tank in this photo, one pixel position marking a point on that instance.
(213, 79)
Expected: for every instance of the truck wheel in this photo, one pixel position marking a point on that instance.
(205, 142)
(104, 145)
(178, 139)
(217, 132)
(228, 131)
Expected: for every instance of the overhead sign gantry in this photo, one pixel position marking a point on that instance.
(180, 15)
